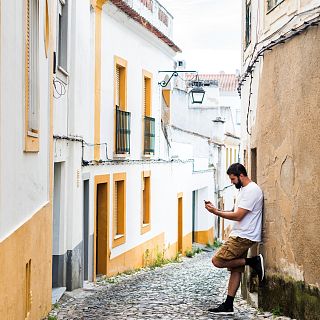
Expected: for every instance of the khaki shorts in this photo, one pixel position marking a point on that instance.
(234, 248)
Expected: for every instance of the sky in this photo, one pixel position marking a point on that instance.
(208, 32)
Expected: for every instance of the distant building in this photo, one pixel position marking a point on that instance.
(210, 131)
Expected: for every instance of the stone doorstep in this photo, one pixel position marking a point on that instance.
(57, 294)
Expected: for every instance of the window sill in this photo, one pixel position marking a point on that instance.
(31, 142)
(118, 240)
(146, 227)
(121, 156)
(147, 156)
(33, 134)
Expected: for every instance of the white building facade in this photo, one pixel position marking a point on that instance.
(119, 198)
(25, 158)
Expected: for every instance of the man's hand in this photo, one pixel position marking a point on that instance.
(210, 207)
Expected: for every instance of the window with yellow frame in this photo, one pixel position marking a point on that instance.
(146, 204)
(31, 75)
(119, 209)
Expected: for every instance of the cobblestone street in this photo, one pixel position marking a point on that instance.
(176, 291)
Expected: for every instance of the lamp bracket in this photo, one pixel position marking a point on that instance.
(174, 73)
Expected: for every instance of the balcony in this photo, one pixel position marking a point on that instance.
(122, 131)
(149, 135)
(151, 10)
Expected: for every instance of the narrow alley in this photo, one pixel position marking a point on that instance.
(181, 291)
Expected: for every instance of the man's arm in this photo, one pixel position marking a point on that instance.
(237, 215)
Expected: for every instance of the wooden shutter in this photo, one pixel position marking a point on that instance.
(31, 64)
(27, 67)
(117, 86)
(144, 96)
(115, 209)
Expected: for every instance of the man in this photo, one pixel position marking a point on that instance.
(246, 232)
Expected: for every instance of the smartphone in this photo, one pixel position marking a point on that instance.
(205, 201)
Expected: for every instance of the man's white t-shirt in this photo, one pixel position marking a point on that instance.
(250, 198)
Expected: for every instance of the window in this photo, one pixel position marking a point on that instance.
(123, 118)
(248, 24)
(145, 201)
(31, 76)
(272, 3)
(120, 86)
(63, 36)
(119, 209)
(149, 122)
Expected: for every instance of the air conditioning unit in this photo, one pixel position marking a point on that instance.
(180, 64)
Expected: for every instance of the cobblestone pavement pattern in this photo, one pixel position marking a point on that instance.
(176, 291)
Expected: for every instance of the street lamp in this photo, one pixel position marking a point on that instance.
(197, 92)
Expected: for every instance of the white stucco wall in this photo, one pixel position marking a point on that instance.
(128, 40)
(167, 180)
(24, 177)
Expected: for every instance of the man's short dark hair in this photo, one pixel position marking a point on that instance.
(236, 169)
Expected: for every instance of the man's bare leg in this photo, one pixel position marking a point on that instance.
(234, 282)
(230, 264)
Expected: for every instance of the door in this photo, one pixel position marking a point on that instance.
(85, 229)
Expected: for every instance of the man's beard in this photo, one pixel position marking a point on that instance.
(238, 185)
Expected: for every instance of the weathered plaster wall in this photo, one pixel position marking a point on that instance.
(287, 138)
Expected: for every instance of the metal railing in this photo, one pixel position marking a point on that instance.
(149, 135)
(122, 131)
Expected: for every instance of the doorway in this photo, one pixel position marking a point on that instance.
(101, 224)
(86, 230)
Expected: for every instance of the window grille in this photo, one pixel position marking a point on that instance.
(122, 131)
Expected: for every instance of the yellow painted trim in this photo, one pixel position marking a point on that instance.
(147, 81)
(32, 241)
(98, 3)
(117, 241)
(166, 93)
(146, 227)
(122, 63)
(97, 82)
(136, 257)
(101, 179)
(186, 243)
(123, 93)
(31, 142)
(204, 236)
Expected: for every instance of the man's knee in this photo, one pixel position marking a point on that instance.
(217, 263)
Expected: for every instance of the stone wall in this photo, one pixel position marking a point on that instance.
(287, 138)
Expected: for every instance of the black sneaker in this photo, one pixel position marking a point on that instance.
(222, 309)
(259, 267)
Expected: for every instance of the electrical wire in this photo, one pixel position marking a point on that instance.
(59, 88)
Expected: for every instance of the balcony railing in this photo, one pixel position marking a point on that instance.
(152, 11)
(149, 135)
(122, 131)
